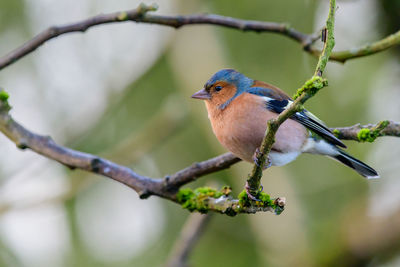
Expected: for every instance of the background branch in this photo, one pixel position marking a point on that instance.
(190, 234)
(141, 15)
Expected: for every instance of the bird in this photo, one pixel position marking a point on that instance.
(239, 107)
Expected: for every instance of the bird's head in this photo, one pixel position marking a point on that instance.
(223, 87)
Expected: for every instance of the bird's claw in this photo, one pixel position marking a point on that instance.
(247, 187)
(267, 163)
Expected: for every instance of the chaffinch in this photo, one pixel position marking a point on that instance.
(239, 108)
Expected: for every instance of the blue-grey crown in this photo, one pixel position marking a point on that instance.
(231, 76)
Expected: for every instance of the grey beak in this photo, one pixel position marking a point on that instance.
(202, 94)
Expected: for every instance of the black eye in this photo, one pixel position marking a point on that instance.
(218, 88)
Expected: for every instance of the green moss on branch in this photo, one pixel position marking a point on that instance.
(311, 87)
(330, 40)
(336, 132)
(3, 95)
(4, 106)
(369, 135)
(197, 200)
(206, 199)
(276, 204)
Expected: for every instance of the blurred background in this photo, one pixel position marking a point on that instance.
(122, 91)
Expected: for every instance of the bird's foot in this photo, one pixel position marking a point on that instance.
(267, 163)
(247, 187)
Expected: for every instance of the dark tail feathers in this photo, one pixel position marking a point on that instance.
(360, 167)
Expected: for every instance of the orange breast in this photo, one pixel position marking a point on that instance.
(240, 127)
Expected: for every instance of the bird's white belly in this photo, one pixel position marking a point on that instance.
(279, 159)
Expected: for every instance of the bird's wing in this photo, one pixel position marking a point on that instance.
(278, 101)
(264, 89)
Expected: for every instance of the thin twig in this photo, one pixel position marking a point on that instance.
(309, 89)
(199, 169)
(144, 186)
(353, 132)
(368, 49)
(80, 26)
(329, 42)
(191, 232)
(140, 15)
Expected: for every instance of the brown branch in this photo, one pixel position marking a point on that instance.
(362, 51)
(229, 22)
(191, 232)
(80, 26)
(140, 15)
(353, 132)
(199, 169)
(144, 186)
